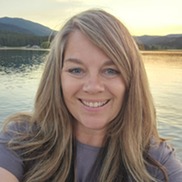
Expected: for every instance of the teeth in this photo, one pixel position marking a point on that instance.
(94, 104)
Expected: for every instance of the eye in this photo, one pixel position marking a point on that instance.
(76, 71)
(111, 72)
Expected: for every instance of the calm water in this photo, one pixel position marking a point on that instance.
(20, 72)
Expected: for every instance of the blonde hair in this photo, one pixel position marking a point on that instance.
(128, 135)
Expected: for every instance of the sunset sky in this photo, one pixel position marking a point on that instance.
(151, 17)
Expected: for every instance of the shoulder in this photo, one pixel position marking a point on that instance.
(16, 123)
(11, 131)
(161, 151)
(17, 128)
(10, 160)
(164, 154)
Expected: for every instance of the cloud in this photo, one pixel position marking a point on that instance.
(138, 14)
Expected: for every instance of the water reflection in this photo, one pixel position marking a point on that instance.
(20, 73)
(19, 61)
(165, 78)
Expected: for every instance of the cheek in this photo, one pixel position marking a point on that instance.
(119, 93)
(66, 89)
(69, 87)
(66, 82)
(67, 93)
(122, 93)
(117, 88)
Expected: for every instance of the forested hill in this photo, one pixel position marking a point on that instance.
(172, 41)
(16, 32)
(25, 26)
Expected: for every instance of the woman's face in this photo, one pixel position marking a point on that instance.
(92, 86)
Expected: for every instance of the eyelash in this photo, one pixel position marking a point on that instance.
(111, 71)
(75, 71)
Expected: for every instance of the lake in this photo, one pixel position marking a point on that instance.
(20, 72)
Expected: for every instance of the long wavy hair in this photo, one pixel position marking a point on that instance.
(48, 146)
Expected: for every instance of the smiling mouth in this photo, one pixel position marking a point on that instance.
(94, 104)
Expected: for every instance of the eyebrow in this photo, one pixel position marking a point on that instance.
(109, 63)
(73, 60)
(78, 61)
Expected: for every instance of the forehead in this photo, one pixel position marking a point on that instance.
(80, 48)
(78, 40)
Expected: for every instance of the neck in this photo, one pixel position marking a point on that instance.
(89, 136)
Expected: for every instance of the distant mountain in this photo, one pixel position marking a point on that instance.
(172, 41)
(21, 32)
(174, 35)
(20, 25)
(14, 29)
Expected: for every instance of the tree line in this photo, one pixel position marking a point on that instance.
(13, 39)
(10, 39)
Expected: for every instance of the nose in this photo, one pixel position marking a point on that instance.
(93, 84)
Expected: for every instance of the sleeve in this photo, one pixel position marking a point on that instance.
(9, 159)
(166, 156)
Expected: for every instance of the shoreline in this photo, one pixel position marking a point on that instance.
(24, 48)
(162, 52)
(143, 52)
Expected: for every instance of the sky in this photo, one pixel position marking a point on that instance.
(141, 17)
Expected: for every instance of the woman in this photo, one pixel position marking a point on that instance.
(94, 118)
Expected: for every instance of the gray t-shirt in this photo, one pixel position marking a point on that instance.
(86, 156)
